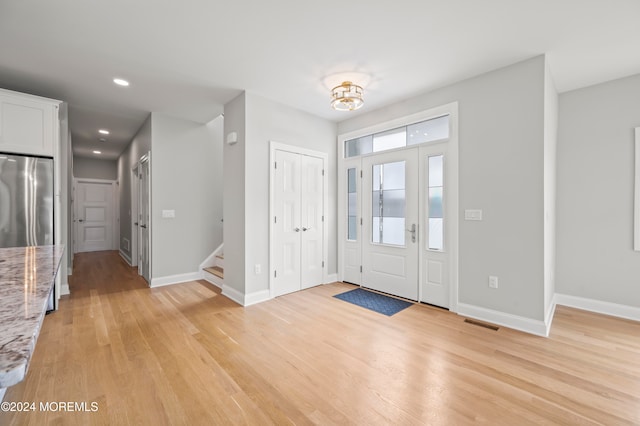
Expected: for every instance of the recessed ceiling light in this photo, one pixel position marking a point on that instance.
(97, 152)
(104, 132)
(121, 82)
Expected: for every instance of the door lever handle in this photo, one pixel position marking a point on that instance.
(296, 229)
(413, 232)
(306, 229)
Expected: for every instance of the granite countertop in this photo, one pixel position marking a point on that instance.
(27, 275)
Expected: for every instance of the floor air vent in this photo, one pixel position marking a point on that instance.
(482, 324)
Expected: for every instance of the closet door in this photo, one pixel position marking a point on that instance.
(287, 227)
(311, 210)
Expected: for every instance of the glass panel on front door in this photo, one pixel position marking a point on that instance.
(388, 204)
(436, 192)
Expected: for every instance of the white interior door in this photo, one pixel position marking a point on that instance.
(94, 216)
(287, 223)
(435, 217)
(144, 219)
(311, 209)
(298, 226)
(390, 223)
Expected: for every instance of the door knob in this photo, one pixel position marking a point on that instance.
(80, 220)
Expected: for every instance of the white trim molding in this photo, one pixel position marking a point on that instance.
(64, 289)
(233, 294)
(175, 279)
(636, 209)
(598, 306)
(257, 297)
(331, 278)
(126, 258)
(527, 325)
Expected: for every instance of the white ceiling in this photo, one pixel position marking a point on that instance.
(189, 58)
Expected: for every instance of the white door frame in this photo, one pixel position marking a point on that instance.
(145, 158)
(133, 216)
(273, 147)
(452, 187)
(115, 217)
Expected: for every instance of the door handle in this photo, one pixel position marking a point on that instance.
(80, 220)
(413, 232)
(135, 223)
(306, 229)
(296, 229)
(143, 226)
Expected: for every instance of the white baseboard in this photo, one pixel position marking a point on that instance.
(598, 306)
(175, 279)
(548, 320)
(213, 279)
(64, 289)
(233, 294)
(332, 278)
(257, 297)
(126, 258)
(528, 325)
(69, 271)
(2, 392)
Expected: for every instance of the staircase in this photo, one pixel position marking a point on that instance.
(215, 274)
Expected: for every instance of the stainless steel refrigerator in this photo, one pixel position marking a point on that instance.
(26, 201)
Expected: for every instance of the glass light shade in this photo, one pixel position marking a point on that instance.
(346, 97)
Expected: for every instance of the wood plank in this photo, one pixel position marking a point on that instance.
(185, 354)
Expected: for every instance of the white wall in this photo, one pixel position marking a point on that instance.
(259, 121)
(139, 146)
(186, 176)
(501, 154)
(550, 182)
(595, 193)
(94, 168)
(271, 121)
(234, 195)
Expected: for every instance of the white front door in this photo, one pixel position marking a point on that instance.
(390, 228)
(298, 228)
(94, 216)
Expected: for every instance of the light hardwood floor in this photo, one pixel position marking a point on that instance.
(184, 354)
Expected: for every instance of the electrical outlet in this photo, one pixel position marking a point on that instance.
(257, 269)
(493, 281)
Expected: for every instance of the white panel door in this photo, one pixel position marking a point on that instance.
(94, 216)
(144, 218)
(311, 209)
(436, 241)
(287, 227)
(390, 223)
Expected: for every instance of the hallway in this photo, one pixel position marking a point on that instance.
(184, 354)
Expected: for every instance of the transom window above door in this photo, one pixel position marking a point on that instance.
(433, 129)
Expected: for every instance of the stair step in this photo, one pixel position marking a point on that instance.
(220, 256)
(215, 270)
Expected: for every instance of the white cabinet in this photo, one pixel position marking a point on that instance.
(28, 124)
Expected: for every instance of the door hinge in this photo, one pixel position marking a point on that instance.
(360, 221)
(275, 274)
(360, 173)
(322, 172)
(275, 164)
(360, 268)
(275, 219)
(323, 218)
(323, 263)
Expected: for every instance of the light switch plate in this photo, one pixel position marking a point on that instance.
(473, 215)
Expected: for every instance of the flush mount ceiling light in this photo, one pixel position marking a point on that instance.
(121, 82)
(103, 132)
(346, 97)
(97, 152)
